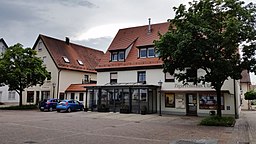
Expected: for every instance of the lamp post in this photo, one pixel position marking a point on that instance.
(160, 96)
(53, 86)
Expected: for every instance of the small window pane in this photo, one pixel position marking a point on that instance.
(114, 56)
(72, 96)
(80, 62)
(142, 77)
(121, 55)
(143, 53)
(66, 60)
(151, 52)
(169, 100)
(81, 97)
(113, 77)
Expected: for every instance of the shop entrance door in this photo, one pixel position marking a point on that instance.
(191, 100)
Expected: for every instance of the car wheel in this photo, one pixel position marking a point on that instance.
(69, 110)
(41, 110)
(58, 110)
(82, 108)
(50, 109)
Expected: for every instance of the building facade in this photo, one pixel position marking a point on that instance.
(130, 76)
(6, 96)
(67, 64)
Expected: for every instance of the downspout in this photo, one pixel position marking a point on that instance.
(58, 83)
(235, 100)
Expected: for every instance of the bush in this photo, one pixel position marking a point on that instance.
(218, 121)
(24, 107)
(250, 95)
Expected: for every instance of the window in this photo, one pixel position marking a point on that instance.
(72, 96)
(143, 53)
(121, 55)
(151, 52)
(169, 100)
(50, 76)
(44, 59)
(11, 95)
(192, 75)
(45, 95)
(81, 96)
(114, 56)
(62, 96)
(113, 78)
(30, 96)
(169, 77)
(40, 46)
(80, 62)
(117, 56)
(209, 101)
(66, 60)
(142, 77)
(86, 79)
(143, 95)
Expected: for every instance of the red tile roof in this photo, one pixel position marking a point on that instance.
(58, 48)
(78, 87)
(135, 37)
(245, 77)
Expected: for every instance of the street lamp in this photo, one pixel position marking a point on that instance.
(53, 86)
(160, 96)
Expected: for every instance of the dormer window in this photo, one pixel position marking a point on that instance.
(117, 56)
(147, 52)
(66, 60)
(80, 62)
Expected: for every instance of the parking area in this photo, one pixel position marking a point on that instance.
(108, 128)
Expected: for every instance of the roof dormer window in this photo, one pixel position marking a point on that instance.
(80, 62)
(148, 52)
(118, 56)
(66, 60)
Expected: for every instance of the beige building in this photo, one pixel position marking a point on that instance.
(67, 64)
(130, 76)
(245, 86)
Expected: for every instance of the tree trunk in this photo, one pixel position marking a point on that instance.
(20, 94)
(218, 102)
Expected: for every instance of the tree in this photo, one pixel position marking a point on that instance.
(250, 95)
(20, 69)
(208, 36)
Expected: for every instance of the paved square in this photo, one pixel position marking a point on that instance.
(19, 127)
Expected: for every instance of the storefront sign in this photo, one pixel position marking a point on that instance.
(193, 86)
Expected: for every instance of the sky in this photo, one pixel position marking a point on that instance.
(92, 23)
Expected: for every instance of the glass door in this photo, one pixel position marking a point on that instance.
(191, 100)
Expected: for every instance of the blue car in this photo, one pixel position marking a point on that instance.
(69, 105)
(48, 104)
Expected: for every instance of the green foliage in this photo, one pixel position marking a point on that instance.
(250, 95)
(20, 69)
(23, 107)
(207, 36)
(218, 121)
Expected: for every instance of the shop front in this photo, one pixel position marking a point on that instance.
(196, 103)
(123, 98)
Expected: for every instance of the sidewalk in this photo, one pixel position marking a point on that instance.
(245, 128)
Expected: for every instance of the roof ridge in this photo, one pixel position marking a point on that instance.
(70, 42)
(143, 26)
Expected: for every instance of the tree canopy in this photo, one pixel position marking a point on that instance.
(207, 35)
(20, 69)
(250, 95)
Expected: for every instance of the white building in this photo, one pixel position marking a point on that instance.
(130, 75)
(67, 63)
(6, 96)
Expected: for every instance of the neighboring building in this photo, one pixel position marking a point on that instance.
(130, 74)
(245, 86)
(67, 63)
(6, 96)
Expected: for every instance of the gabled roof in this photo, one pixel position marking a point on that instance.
(59, 49)
(2, 40)
(135, 37)
(245, 77)
(78, 87)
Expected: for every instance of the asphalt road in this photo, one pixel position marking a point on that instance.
(19, 127)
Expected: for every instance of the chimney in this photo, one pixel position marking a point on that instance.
(149, 25)
(67, 40)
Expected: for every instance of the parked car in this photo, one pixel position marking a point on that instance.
(70, 105)
(49, 104)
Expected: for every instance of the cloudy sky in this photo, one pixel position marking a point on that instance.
(92, 23)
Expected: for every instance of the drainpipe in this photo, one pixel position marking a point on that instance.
(58, 88)
(235, 104)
